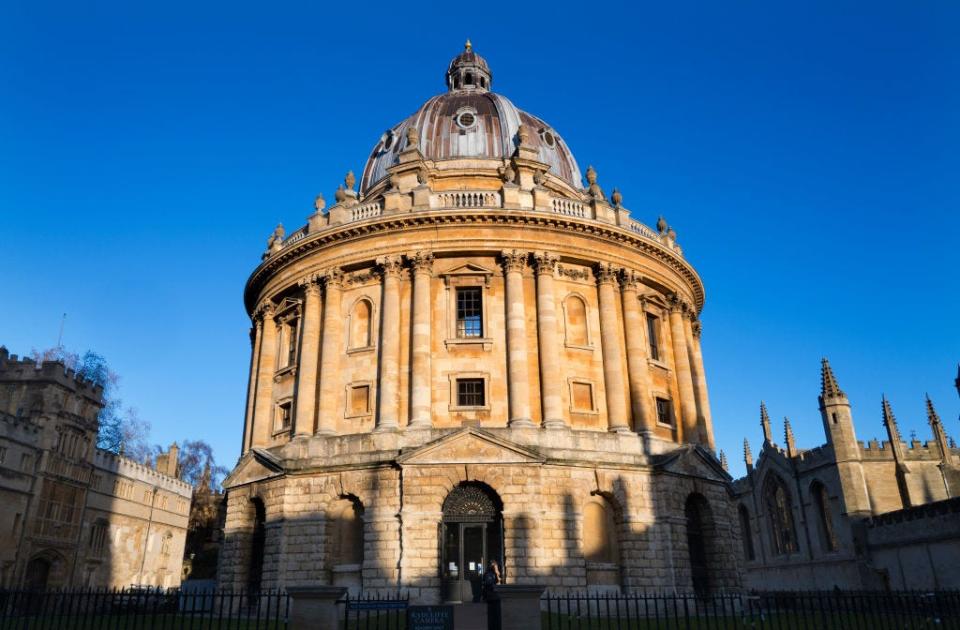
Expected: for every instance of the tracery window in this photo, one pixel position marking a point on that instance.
(828, 537)
(779, 506)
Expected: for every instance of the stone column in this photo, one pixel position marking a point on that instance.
(634, 325)
(388, 415)
(681, 360)
(252, 384)
(421, 376)
(329, 407)
(692, 330)
(551, 380)
(306, 404)
(263, 405)
(518, 384)
(611, 343)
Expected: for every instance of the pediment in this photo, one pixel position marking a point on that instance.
(693, 461)
(467, 270)
(470, 446)
(256, 465)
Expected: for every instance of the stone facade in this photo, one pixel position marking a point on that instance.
(851, 514)
(475, 325)
(75, 515)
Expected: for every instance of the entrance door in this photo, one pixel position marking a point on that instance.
(470, 537)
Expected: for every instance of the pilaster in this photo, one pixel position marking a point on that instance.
(309, 357)
(388, 416)
(421, 375)
(644, 418)
(263, 413)
(550, 377)
(330, 353)
(681, 357)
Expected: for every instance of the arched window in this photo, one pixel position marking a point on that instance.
(779, 506)
(828, 537)
(345, 519)
(600, 548)
(575, 319)
(699, 541)
(258, 540)
(360, 324)
(746, 534)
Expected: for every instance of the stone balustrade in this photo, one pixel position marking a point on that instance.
(479, 199)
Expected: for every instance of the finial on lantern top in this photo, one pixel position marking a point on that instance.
(468, 46)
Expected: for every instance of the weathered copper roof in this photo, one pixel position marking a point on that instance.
(470, 121)
(492, 134)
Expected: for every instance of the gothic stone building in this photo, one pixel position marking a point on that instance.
(475, 357)
(850, 514)
(74, 515)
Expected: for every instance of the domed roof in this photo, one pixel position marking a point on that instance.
(470, 121)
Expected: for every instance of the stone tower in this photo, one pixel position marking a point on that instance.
(841, 437)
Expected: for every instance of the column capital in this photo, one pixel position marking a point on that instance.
(514, 260)
(421, 261)
(390, 266)
(310, 284)
(333, 277)
(630, 280)
(545, 262)
(264, 310)
(607, 273)
(697, 327)
(678, 304)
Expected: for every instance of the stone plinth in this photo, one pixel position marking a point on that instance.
(315, 607)
(520, 606)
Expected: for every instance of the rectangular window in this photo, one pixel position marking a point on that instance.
(582, 396)
(653, 337)
(26, 462)
(664, 412)
(470, 392)
(469, 312)
(284, 417)
(359, 400)
(291, 342)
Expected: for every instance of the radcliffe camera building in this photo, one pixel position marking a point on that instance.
(475, 357)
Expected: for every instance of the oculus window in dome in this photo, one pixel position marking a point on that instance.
(470, 121)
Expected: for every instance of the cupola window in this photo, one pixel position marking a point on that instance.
(466, 119)
(548, 138)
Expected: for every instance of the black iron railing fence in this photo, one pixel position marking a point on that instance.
(790, 610)
(376, 611)
(143, 608)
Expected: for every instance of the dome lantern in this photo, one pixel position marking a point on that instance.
(469, 72)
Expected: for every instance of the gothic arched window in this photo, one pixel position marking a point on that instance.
(828, 537)
(779, 506)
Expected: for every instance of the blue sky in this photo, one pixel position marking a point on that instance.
(806, 154)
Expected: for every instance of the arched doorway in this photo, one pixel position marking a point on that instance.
(699, 524)
(471, 535)
(37, 575)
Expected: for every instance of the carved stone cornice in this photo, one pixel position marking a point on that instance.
(421, 261)
(361, 277)
(574, 273)
(548, 221)
(390, 266)
(513, 260)
(631, 280)
(607, 273)
(545, 263)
